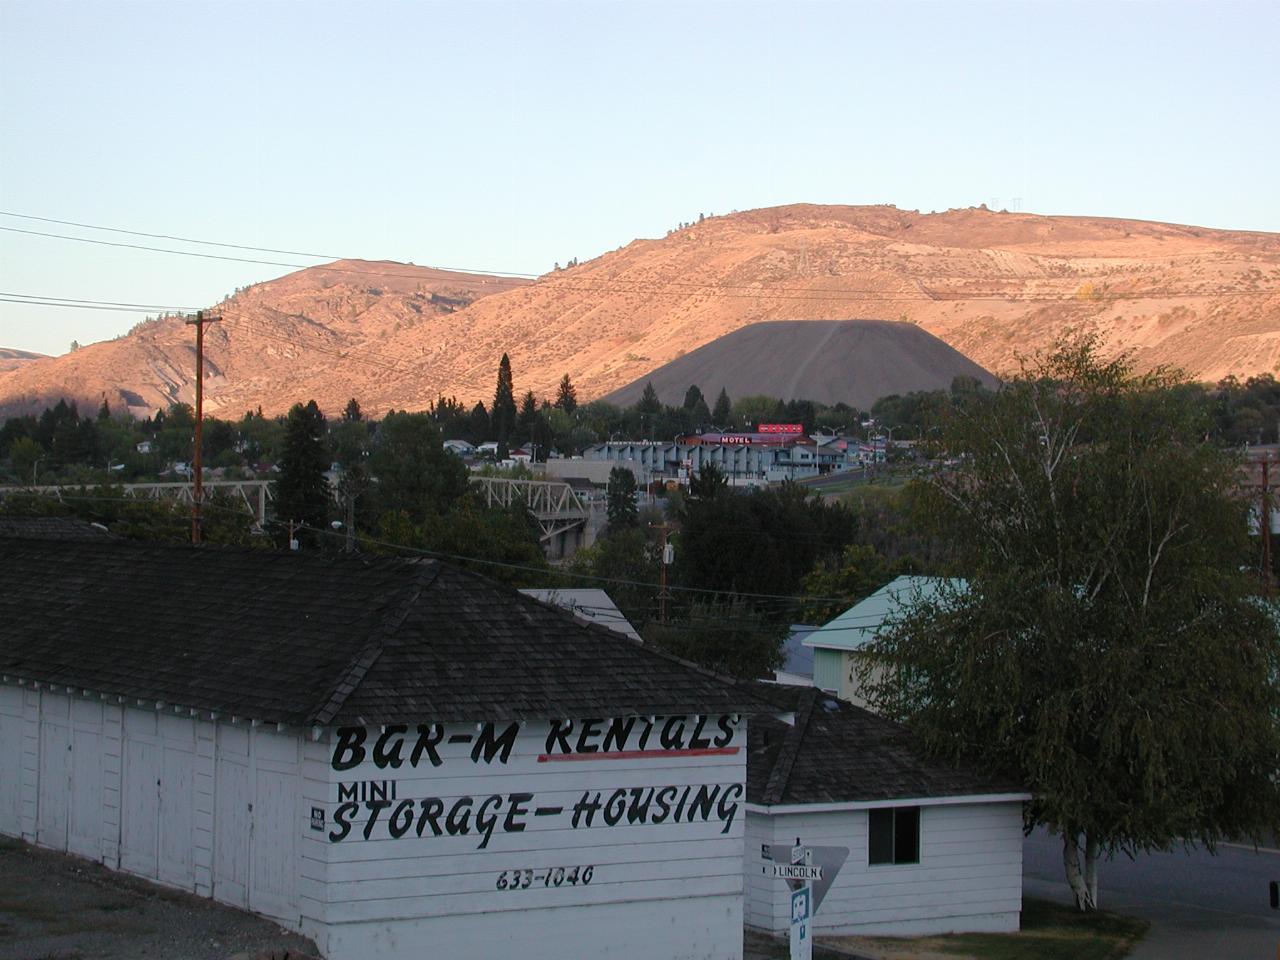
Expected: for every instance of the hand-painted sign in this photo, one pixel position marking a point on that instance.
(408, 800)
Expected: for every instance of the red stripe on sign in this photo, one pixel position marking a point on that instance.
(639, 754)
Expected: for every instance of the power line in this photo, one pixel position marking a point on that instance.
(110, 303)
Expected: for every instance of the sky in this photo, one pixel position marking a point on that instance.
(507, 136)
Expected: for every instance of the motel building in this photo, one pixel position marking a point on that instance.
(398, 759)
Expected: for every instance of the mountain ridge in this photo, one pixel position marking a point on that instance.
(995, 286)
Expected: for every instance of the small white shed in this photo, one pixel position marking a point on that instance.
(931, 848)
(398, 759)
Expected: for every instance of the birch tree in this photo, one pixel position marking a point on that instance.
(1105, 647)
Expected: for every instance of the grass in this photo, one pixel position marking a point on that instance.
(1050, 931)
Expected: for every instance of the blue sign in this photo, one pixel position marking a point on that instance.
(802, 924)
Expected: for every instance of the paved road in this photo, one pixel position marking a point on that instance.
(1201, 907)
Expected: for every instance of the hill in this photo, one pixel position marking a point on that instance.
(11, 359)
(991, 285)
(317, 333)
(854, 361)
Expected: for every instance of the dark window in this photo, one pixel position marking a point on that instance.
(893, 835)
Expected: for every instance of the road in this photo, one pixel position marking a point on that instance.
(1201, 906)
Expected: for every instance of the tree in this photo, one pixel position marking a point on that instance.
(728, 637)
(415, 474)
(567, 395)
(722, 412)
(528, 419)
(620, 497)
(692, 397)
(708, 482)
(503, 415)
(104, 411)
(649, 404)
(1104, 649)
(479, 426)
(351, 413)
(302, 491)
(24, 454)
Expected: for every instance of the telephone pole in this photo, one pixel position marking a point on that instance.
(666, 555)
(1265, 526)
(197, 464)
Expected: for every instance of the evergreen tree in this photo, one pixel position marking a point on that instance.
(692, 397)
(302, 491)
(567, 395)
(722, 413)
(352, 412)
(479, 426)
(528, 415)
(620, 497)
(649, 403)
(503, 417)
(104, 411)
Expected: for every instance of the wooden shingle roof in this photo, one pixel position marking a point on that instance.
(320, 639)
(836, 752)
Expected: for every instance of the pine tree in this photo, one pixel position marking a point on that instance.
(104, 411)
(503, 416)
(620, 499)
(649, 402)
(528, 415)
(302, 491)
(723, 411)
(567, 395)
(479, 425)
(352, 412)
(692, 397)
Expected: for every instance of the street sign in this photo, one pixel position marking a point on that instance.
(801, 925)
(827, 859)
(792, 871)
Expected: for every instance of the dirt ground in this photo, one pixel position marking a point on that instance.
(57, 907)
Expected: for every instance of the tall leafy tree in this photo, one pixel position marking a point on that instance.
(302, 491)
(620, 499)
(567, 395)
(1105, 649)
(479, 424)
(415, 474)
(503, 414)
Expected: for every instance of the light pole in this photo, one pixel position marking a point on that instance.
(35, 470)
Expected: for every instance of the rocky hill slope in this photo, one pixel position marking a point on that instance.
(11, 359)
(991, 285)
(854, 361)
(319, 333)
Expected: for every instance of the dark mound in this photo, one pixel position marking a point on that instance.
(828, 361)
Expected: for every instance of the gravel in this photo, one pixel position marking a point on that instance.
(59, 907)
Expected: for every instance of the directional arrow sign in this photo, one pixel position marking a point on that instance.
(792, 871)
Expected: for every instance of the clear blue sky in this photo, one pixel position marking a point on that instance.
(510, 135)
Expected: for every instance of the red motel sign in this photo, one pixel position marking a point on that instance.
(784, 428)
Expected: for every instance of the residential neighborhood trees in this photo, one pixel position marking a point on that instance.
(620, 498)
(1104, 646)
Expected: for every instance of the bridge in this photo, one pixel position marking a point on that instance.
(252, 493)
(562, 517)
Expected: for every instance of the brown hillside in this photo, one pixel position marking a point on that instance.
(11, 359)
(992, 285)
(315, 333)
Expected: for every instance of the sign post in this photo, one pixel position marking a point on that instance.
(809, 883)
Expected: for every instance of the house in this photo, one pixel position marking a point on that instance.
(797, 659)
(839, 646)
(396, 758)
(916, 847)
(590, 605)
(461, 447)
(144, 446)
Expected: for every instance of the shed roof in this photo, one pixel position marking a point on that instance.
(835, 752)
(857, 626)
(321, 639)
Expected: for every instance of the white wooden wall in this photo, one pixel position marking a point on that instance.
(212, 808)
(657, 889)
(969, 877)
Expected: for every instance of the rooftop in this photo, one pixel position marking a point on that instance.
(318, 639)
(857, 626)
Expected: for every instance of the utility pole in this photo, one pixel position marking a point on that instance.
(1265, 529)
(666, 556)
(197, 464)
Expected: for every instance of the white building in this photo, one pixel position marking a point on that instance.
(398, 759)
(920, 847)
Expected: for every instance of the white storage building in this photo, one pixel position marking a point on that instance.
(398, 759)
(930, 848)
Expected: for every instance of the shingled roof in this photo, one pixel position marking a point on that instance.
(320, 639)
(836, 752)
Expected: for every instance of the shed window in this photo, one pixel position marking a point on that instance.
(893, 835)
